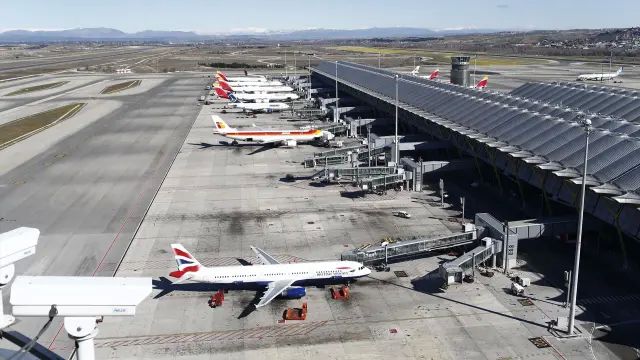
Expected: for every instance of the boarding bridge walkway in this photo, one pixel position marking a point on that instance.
(497, 235)
(403, 248)
(352, 174)
(381, 182)
(342, 156)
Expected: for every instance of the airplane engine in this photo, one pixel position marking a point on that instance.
(294, 292)
(327, 135)
(291, 143)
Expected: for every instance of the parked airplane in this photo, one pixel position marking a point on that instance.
(482, 83)
(249, 83)
(241, 79)
(225, 85)
(256, 97)
(287, 280)
(434, 75)
(265, 106)
(284, 137)
(600, 76)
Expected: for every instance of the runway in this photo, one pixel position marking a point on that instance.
(88, 190)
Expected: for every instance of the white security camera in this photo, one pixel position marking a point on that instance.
(81, 300)
(77, 295)
(15, 245)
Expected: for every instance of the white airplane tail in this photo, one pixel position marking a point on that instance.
(415, 71)
(187, 264)
(221, 126)
(619, 70)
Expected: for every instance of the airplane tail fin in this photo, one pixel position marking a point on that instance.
(187, 264)
(434, 74)
(225, 85)
(222, 75)
(221, 126)
(232, 97)
(483, 83)
(221, 92)
(620, 70)
(246, 73)
(415, 70)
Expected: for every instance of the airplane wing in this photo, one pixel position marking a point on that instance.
(265, 258)
(275, 288)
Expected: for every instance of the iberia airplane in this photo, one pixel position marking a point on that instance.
(285, 137)
(287, 280)
(275, 88)
(240, 79)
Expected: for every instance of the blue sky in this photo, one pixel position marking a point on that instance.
(214, 16)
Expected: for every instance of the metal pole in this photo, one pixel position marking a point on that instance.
(567, 282)
(286, 74)
(379, 60)
(576, 267)
(386, 254)
(397, 147)
(295, 64)
(505, 246)
(337, 116)
(309, 89)
(462, 202)
(369, 143)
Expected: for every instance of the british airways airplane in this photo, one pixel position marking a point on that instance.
(287, 280)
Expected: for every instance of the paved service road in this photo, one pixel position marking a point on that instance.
(90, 191)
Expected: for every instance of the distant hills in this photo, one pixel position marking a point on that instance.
(108, 34)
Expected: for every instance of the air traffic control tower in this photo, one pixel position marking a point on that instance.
(460, 70)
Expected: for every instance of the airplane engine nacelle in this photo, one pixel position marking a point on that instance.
(291, 143)
(327, 135)
(294, 292)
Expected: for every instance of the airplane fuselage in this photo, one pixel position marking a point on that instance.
(267, 136)
(340, 271)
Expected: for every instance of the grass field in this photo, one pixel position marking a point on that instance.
(20, 129)
(439, 57)
(36, 88)
(120, 87)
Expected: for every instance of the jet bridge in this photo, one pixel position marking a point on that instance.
(352, 174)
(409, 247)
(498, 236)
(343, 156)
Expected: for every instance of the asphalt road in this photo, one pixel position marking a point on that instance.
(88, 192)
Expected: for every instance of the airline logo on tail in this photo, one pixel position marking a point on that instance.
(185, 261)
(225, 85)
(434, 74)
(483, 83)
(221, 126)
(232, 98)
(220, 74)
(221, 93)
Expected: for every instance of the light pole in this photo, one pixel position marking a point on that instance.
(336, 117)
(369, 143)
(397, 147)
(295, 65)
(286, 72)
(576, 266)
(309, 89)
(379, 60)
